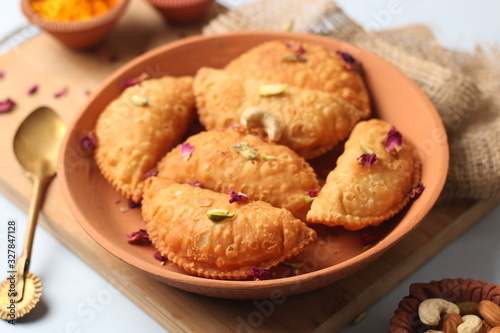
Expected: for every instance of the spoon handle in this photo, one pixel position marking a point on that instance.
(23, 262)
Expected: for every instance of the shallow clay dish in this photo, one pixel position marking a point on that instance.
(77, 34)
(337, 253)
(406, 317)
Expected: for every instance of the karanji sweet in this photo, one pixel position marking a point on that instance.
(317, 96)
(231, 159)
(371, 180)
(139, 127)
(204, 234)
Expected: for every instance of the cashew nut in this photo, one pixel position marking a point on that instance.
(471, 324)
(256, 117)
(430, 310)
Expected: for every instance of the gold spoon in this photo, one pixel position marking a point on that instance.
(36, 145)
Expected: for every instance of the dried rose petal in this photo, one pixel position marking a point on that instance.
(133, 204)
(157, 255)
(367, 239)
(367, 160)
(414, 192)
(324, 173)
(61, 92)
(7, 105)
(107, 55)
(31, 90)
(139, 237)
(186, 151)
(297, 49)
(195, 183)
(129, 83)
(393, 141)
(313, 193)
(349, 61)
(151, 173)
(87, 144)
(236, 197)
(260, 274)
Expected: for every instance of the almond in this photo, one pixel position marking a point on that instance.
(494, 330)
(450, 322)
(490, 312)
(487, 327)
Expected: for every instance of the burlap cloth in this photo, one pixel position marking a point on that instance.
(465, 88)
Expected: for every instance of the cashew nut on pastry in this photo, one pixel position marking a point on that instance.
(430, 310)
(255, 117)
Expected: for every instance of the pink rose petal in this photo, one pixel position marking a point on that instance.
(7, 105)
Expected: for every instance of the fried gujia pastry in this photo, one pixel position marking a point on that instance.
(138, 128)
(312, 121)
(204, 234)
(223, 160)
(363, 189)
(304, 65)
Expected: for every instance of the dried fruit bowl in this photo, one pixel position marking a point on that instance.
(406, 318)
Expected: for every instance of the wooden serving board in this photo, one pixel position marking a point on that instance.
(43, 61)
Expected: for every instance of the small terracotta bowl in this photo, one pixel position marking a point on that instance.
(182, 11)
(77, 34)
(406, 317)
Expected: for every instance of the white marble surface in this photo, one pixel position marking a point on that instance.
(76, 299)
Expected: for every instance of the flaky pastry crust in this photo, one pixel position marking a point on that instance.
(276, 175)
(131, 139)
(357, 196)
(258, 235)
(312, 121)
(322, 70)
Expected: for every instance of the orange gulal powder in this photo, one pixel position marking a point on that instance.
(72, 10)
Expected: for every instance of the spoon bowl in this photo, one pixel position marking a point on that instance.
(36, 142)
(36, 146)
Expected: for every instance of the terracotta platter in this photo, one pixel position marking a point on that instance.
(338, 252)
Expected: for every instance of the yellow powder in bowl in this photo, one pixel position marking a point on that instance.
(72, 10)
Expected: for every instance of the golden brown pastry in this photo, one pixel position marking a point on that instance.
(223, 160)
(371, 180)
(204, 234)
(311, 121)
(304, 65)
(138, 128)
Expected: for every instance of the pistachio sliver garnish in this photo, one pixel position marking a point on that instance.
(367, 150)
(268, 157)
(138, 100)
(218, 215)
(294, 57)
(245, 150)
(272, 89)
